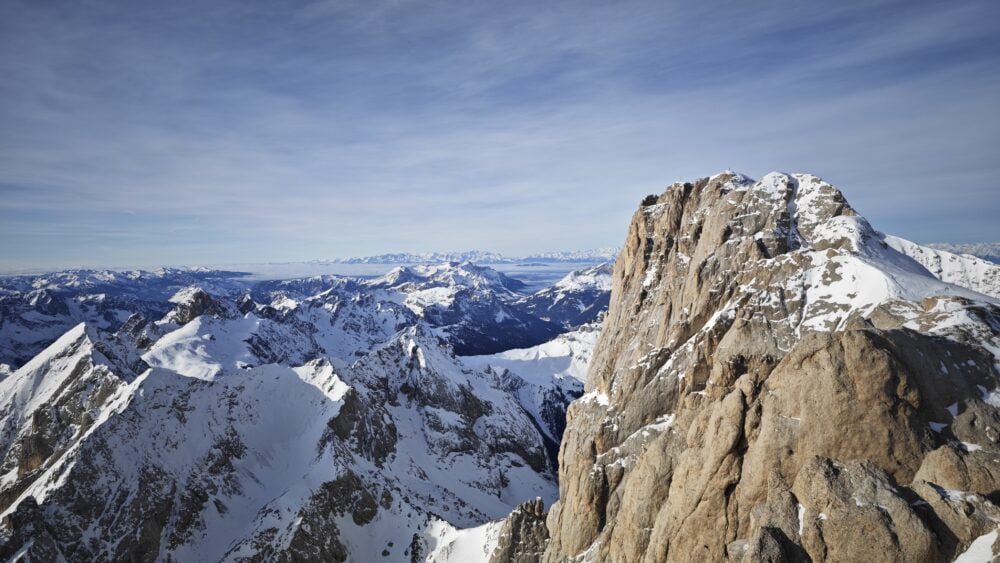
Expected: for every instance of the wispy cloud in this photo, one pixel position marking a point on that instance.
(184, 133)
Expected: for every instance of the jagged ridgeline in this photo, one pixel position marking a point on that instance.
(768, 378)
(190, 416)
(778, 381)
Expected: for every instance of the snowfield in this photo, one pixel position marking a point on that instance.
(238, 421)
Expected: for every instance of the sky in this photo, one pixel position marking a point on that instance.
(213, 132)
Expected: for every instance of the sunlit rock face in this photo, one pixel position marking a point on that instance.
(775, 380)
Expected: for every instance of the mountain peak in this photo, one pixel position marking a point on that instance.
(451, 274)
(485, 257)
(755, 337)
(192, 302)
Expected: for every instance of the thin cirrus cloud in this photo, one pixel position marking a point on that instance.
(187, 133)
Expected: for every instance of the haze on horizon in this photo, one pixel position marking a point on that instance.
(225, 132)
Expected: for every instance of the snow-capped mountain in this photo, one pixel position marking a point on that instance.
(776, 380)
(140, 284)
(989, 251)
(478, 256)
(475, 307)
(596, 255)
(52, 400)
(548, 376)
(960, 269)
(575, 300)
(36, 310)
(449, 276)
(428, 414)
(478, 309)
(307, 419)
(484, 257)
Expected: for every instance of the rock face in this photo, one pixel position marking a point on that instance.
(776, 382)
(523, 535)
(193, 302)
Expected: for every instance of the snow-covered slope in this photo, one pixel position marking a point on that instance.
(50, 403)
(576, 299)
(546, 377)
(989, 251)
(326, 419)
(208, 346)
(565, 356)
(331, 418)
(964, 270)
(470, 545)
(36, 310)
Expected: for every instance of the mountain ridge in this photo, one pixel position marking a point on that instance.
(484, 257)
(775, 380)
(985, 250)
(313, 419)
(762, 375)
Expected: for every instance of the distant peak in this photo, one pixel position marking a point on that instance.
(479, 257)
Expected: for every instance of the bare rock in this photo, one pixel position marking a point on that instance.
(523, 536)
(755, 394)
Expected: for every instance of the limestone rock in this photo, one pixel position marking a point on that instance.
(776, 382)
(523, 535)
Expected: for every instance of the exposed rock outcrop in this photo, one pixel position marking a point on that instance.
(523, 535)
(775, 382)
(193, 302)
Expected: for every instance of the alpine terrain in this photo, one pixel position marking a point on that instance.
(776, 380)
(986, 250)
(186, 415)
(761, 376)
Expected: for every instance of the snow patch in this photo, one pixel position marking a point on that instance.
(980, 550)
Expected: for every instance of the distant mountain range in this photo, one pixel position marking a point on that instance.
(985, 250)
(218, 418)
(596, 255)
(592, 256)
(761, 376)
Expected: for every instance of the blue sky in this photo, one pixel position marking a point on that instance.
(146, 133)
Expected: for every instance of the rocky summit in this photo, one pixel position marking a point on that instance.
(761, 376)
(776, 380)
